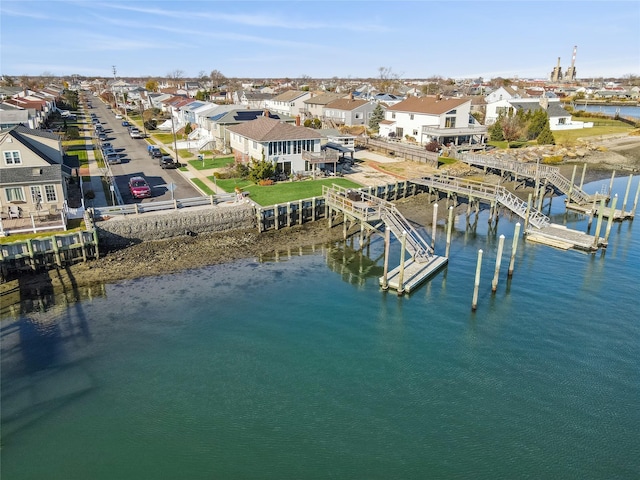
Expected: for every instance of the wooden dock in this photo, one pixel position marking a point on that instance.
(564, 238)
(617, 214)
(414, 274)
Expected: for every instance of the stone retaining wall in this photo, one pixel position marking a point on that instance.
(122, 231)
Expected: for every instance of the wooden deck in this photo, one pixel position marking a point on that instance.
(618, 215)
(415, 273)
(564, 238)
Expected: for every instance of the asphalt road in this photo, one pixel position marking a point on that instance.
(136, 161)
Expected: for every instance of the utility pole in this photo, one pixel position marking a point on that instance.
(175, 143)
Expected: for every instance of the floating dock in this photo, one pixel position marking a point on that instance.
(559, 236)
(414, 274)
(617, 214)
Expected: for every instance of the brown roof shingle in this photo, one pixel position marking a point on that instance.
(428, 105)
(265, 129)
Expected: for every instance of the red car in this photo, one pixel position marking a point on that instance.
(139, 187)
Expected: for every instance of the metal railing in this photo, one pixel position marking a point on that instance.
(137, 208)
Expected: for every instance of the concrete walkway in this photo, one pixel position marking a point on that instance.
(100, 200)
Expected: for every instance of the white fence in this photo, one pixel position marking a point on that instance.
(136, 208)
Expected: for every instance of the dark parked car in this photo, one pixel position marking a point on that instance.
(125, 124)
(102, 136)
(166, 161)
(139, 187)
(155, 152)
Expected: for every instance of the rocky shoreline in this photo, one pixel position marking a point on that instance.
(188, 252)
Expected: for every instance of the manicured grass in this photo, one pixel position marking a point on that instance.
(210, 163)
(73, 225)
(601, 127)
(185, 153)
(83, 158)
(166, 138)
(202, 186)
(229, 184)
(283, 192)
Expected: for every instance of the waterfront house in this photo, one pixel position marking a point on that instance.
(33, 177)
(559, 118)
(270, 139)
(433, 118)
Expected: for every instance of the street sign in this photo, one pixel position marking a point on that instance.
(171, 187)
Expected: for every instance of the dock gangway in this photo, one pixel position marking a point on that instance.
(487, 192)
(530, 170)
(373, 210)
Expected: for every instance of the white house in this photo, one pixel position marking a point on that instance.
(290, 103)
(559, 118)
(347, 111)
(502, 93)
(314, 105)
(426, 119)
(269, 139)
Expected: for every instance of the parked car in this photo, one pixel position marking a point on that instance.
(125, 123)
(135, 133)
(102, 136)
(139, 187)
(118, 116)
(106, 146)
(166, 161)
(112, 158)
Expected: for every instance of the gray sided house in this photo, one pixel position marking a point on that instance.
(314, 106)
(289, 103)
(33, 177)
(347, 111)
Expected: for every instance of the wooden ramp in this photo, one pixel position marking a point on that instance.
(559, 236)
(414, 274)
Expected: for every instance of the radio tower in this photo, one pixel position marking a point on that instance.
(114, 71)
(570, 76)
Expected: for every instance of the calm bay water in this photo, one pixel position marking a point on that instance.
(301, 367)
(623, 111)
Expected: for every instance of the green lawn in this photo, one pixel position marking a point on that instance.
(185, 153)
(202, 186)
(210, 163)
(601, 127)
(166, 138)
(283, 192)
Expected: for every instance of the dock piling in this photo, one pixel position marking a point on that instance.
(496, 273)
(385, 271)
(449, 229)
(514, 247)
(596, 238)
(476, 284)
(403, 246)
(435, 223)
(626, 194)
(584, 171)
(613, 175)
(610, 219)
(635, 201)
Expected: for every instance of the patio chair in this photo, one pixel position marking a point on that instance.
(14, 211)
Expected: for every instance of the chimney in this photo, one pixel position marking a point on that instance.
(265, 113)
(350, 95)
(297, 120)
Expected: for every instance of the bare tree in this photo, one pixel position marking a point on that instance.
(175, 76)
(217, 79)
(387, 80)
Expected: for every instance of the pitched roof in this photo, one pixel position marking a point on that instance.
(346, 104)
(428, 105)
(289, 95)
(323, 98)
(266, 129)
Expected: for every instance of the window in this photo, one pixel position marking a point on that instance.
(14, 194)
(50, 192)
(411, 117)
(12, 158)
(393, 115)
(36, 194)
(415, 133)
(450, 122)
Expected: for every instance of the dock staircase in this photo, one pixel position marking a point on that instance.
(378, 213)
(487, 192)
(542, 172)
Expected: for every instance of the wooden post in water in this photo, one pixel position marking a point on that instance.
(496, 273)
(612, 213)
(626, 194)
(385, 271)
(288, 214)
(613, 175)
(527, 213)
(313, 209)
(435, 222)
(344, 226)
(514, 247)
(276, 215)
(449, 228)
(476, 284)
(635, 201)
(573, 177)
(403, 245)
(584, 171)
(598, 224)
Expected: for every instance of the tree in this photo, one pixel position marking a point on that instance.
(260, 170)
(495, 132)
(176, 75)
(546, 136)
(201, 95)
(151, 85)
(217, 79)
(511, 128)
(376, 117)
(536, 123)
(387, 79)
(188, 129)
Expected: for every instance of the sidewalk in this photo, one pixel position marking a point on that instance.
(100, 200)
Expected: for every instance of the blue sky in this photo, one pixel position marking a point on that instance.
(346, 39)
